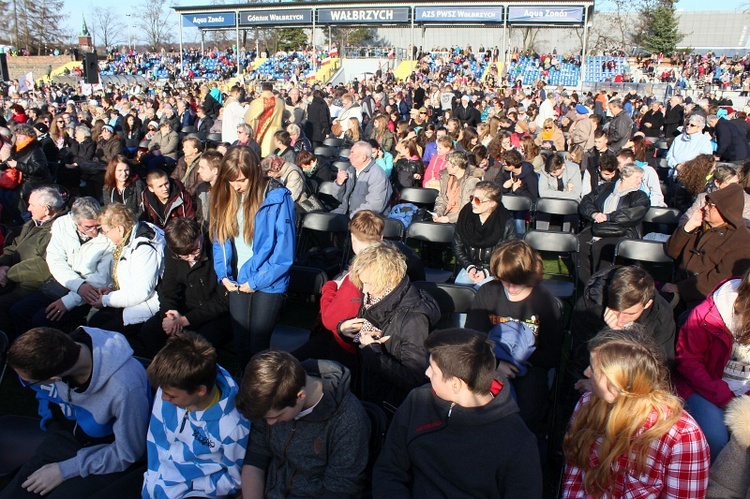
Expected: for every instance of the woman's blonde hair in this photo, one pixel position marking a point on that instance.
(117, 215)
(632, 365)
(386, 264)
(225, 201)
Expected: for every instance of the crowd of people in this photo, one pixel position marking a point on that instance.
(164, 223)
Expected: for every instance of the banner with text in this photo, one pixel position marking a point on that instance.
(358, 16)
(280, 17)
(545, 14)
(458, 14)
(213, 20)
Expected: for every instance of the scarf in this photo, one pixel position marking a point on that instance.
(22, 141)
(116, 254)
(367, 302)
(476, 234)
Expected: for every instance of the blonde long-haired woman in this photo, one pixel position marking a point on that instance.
(630, 436)
(252, 228)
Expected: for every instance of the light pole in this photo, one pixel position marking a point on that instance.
(130, 33)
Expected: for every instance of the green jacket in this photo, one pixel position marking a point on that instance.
(26, 255)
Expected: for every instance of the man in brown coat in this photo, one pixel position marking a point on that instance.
(713, 245)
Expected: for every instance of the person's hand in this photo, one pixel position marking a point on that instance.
(695, 220)
(88, 292)
(373, 336)
(231, 286)
(516, 185)
(351, 327)
(55, 310)
(670, 288)
(570, 187)
(417, 176)
(12, 163)
(441, 220)
(341, 177)
(4, 275)
(583, 385)
(172, 322)
(508, 369)
(476, 275)
(508, 183)
(44, 480)
(647, 125)
(245, 288)
(611, 318)
(599, 218)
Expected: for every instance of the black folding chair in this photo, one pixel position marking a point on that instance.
(562, 245)
(333, 142)
(453, 300)
(567, 209)
(394, 230)
(437, 236)
(661, 265)
(424, 198)
(664, 220)
(326, 152)
(517, 204)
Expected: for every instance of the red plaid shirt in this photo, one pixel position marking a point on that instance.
(677, 466)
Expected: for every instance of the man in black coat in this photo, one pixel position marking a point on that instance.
(203, 124)
(466, 114)
(652, 121)
(318, 120)
(674, 117)
(190, 296)
(731, 143)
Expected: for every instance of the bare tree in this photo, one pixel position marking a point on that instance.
(156, 23)
(107, 26)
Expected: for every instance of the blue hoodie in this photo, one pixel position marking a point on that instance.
(115, 404)
(273, 246)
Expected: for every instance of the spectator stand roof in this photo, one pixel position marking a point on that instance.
(547, 13)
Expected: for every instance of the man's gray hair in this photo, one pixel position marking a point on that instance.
(711, 117)
(50, 196)
(365, 146)
(85, 208)
(293, 129)
(86, 131)
(247, 129)
(616, 101)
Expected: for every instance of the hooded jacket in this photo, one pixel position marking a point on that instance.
(179, 205)
(529, 182)
(273, 246)
(393, 368)
(73, 263)
(196, 453)
(704, 347)
(110, 415)
(588, 319)
(709, 255)
(730, 473)
(139, 269)
(25, 255)
(322, 454)
(319, 119)
(437, 449)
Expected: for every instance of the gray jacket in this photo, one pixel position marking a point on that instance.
(620, 129)
(370, 190)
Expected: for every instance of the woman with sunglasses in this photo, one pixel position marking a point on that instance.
(482, 226)
(551, 137)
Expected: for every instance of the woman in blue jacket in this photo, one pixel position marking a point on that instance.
(253, 232)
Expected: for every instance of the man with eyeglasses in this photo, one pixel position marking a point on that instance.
(80, 261)
(710, 247)
(689, 145)
(190, 296)
(94, 402)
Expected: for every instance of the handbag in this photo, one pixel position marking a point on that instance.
(53, 289)
(608, 229)
(336, 128)
(310, 205)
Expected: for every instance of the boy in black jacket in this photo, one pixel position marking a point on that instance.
(190, 296)
(464, 407)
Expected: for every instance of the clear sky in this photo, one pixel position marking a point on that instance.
(75, 8)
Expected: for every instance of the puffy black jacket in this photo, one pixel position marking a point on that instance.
(630, 211)
(392, 369)
(470, 256)
(32, 162)
(80, 152)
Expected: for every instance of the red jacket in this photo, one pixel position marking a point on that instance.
(704, 346)
(337, 304)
